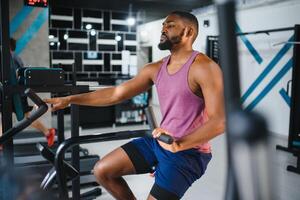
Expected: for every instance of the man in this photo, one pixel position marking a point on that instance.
(190, 91)
(18, 63)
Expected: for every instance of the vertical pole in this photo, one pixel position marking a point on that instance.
(75, 151)
(249, 174)
(6, 94)
(6, 192)
(294, 129)
(60, 126)
(229, 63)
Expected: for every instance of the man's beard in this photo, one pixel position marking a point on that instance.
(169, 43)
(165, 45)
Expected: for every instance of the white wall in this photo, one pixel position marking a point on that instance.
(253, 15)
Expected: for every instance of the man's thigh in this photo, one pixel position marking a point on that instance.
(176, 172)
(140, 152)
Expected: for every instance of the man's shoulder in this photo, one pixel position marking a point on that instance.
(154, 65)
(202, 59)
(204, 67)
(203, 62)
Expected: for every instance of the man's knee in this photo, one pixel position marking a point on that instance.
(101, 171)
(113, 165)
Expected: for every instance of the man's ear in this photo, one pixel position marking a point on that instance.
(188, 31)
(185, 31)
(191, 31)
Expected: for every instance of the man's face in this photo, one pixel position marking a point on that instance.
(172, 32)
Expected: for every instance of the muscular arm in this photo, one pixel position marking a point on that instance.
(112, 95)
(209, 78)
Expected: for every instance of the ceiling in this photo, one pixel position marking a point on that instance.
(149, 9)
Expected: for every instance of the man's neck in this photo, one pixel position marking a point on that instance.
(178, 53)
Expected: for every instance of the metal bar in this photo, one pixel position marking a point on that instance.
(229, 63)
(60, 126)
(5, 69)
(59, 157)
(248, 172)
(75, 151)
(267, 31)
(6, 108)
(294, 127)
(42, 108)
(53, 89)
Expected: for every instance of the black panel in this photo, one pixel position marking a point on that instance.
(61, 24)
(66, 75)
(76, 46)
(119, 15)
(212, 48)
(106, 20)
(120, 28)
(96, 26)
(61, 11)
(130, 36)
(130, 48)
(102, 47)
(93, 68)
(53, 32)
(92, 13)
(117, 68)
(78, 61)
(106, 35)
(78, 34)
(294, 129)
(116, 56)
(96, 116)
(82, 76)
(62, 55)
(121, 43)
(66, 68)
(77, 18)
(53, 45)
(93, 43)
(93, 75)
(107, 62)
(63, 42)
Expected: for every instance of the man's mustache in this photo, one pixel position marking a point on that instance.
(163, 34)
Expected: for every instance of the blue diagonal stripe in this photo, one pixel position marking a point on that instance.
(249, 46)
(272, 83)
(266, 71)
(32, 30)
(285, 97)
(19, 18)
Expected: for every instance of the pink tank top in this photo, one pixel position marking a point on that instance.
(182, 110)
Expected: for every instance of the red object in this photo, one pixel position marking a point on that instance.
(38, 3)
(51, 137)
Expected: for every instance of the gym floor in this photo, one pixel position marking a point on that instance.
(212, 185)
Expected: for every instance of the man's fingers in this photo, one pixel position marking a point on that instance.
(51, 101)
(157, 132)
(47, 100)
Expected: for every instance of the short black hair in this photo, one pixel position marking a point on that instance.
(187, 16)
(12, 44)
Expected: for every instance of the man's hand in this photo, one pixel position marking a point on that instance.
(174, 147)
(58, 103)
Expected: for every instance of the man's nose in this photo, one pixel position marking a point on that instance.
(163, 30)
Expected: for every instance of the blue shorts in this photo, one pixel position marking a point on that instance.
(174, 172)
